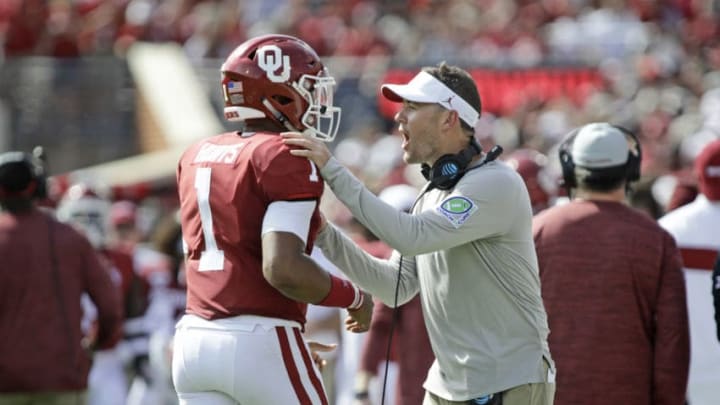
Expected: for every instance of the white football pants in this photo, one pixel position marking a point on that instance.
(246, 360)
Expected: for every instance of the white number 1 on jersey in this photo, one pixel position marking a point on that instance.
(212, 258)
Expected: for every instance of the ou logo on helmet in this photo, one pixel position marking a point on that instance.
(271, 59)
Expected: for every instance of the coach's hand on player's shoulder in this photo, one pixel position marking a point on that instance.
(312, 149)
(358, 320)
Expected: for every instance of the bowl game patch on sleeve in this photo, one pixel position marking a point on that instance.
(457, 209)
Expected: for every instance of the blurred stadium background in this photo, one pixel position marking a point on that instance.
(114, 89)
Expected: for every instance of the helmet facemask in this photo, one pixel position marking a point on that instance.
(322, 118)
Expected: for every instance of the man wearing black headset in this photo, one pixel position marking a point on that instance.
(46, 267)
(466, 247)
(612, 281)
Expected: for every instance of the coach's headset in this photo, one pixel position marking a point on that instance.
(449, 169)
(23, 174)
(630, 170)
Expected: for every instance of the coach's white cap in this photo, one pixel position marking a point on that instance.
(425, 88)
(600, 145)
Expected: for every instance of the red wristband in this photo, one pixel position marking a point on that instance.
(342, 294)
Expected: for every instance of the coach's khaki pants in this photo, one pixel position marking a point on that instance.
(526, 394)
(45, 398)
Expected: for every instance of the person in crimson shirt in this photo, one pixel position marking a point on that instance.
(249, 216)
(612, 281)
(47, 267)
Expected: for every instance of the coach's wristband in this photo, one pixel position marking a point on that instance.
(342, 294)
(358, 302)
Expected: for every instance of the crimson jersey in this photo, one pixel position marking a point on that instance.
(226, 184)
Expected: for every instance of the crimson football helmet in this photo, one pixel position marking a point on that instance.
(533, 168)
(280, 78)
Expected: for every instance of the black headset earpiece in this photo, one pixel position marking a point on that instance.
(566, 162)
(634, 156)
(567, 165)
(449, 169)
(34, 165)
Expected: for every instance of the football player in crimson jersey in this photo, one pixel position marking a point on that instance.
(249, 215)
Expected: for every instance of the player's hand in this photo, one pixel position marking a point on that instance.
(316, 348)
(358, 321)
(312, 149)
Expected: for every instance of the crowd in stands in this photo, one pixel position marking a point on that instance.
(659, 60)
(522, 32)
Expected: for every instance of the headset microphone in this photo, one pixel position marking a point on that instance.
(493, 154)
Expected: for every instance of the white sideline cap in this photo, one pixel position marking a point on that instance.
(600, 145)
(425, 88)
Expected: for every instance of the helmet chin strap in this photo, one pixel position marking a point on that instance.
(278, 116)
